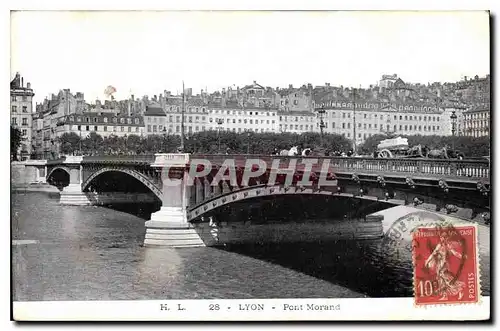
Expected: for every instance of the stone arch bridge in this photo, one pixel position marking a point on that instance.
(191, 187)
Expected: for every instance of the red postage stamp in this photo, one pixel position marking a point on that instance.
(445, 265)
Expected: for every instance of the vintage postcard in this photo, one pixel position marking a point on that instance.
(250, 165)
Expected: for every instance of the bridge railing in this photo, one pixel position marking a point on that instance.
(130, 159)
(472, 169)
(477, 169)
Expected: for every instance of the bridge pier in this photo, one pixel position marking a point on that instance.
(169, 227)
(73, 194)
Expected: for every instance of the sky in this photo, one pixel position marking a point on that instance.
(145, 53)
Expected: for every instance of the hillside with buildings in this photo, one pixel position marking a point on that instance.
(391, 105)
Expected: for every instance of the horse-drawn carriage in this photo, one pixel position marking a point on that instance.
(399, 148)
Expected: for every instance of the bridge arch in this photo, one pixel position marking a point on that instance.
(263, 191)
(133, 173)
(63, 168)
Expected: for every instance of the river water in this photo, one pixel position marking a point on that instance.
(96, 253)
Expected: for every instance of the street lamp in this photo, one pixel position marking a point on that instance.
(219, 122)
(453, 118)
(321, 113)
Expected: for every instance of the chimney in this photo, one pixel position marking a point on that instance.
(22, 82)
(132, 97)
(290, 85)
(254, 82)
(28, 85)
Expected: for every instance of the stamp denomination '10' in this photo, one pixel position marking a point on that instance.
(445, 262)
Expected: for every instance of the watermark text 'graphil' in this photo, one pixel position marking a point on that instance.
(304, 173)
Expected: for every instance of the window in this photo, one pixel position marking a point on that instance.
(375, 125)
(13, 98)
(136, 121)
(25, 121)
(364, 126)
(348, 125)
(78, 119)
(343, 115)
(122, 120)
(149, 128)
(114, 120)
(155, 128)
(95, 127)
(95, 119)
(24, 132)
(129, 121)
(136, 129)
(25, 109)
(177, 128)
(343, 125)
(105, 128)
(87, 119)
(234, 120)
(25, 98)
(400, 117)
(14, 109)
(87, 128)
(114, 129)
(79, 127)
(177, 118)
(198, 128)
(129, 129)
(14, 121)
(122, 128)
(365, 115)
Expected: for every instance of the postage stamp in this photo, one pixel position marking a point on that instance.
(445, 265)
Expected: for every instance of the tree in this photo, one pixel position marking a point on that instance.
(69, 143)
(93, 144)
(15, 142)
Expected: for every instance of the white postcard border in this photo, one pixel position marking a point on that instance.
(349, 309)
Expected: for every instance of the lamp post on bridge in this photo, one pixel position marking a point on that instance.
(453, 118)
(219, 122)
(321, 113)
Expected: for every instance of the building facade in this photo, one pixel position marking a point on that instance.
(477, 122)
(298, 122)
(370, 118)
(241, 120)
(21, 109)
